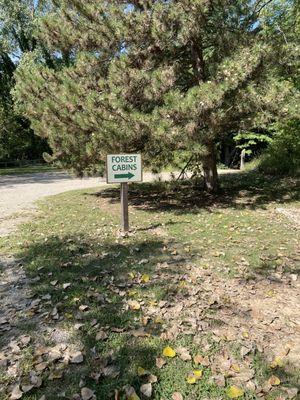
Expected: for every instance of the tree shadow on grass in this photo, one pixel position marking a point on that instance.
(100, 280)
(239, 191)
(98, 273)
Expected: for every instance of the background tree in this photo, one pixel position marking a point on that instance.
(156, 76)
(17, 140)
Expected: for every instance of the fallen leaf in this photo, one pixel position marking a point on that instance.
(146, 390)
(144, 261)
(291, 392)
(197, 373)
(277, 362)
(27, 388)
(235, 392)
(198, 359)
(160, 362)
(56, 374)
(184, 354)
(111, 371)
(219, 380)
(191, 379)
(101, 335)
(169, 352)
(86, 393)
(274, 380)
(76, 357)
(130, 393)
(16, 393)
(83, 307)
(25, 340)
(141, 371)
(134, 305)
(41, 366)
(66, 285)
(145, 278)
(235, 368)
(177, 396)
(139, 333)
(152, 378)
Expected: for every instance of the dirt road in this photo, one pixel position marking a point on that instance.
(18, 193)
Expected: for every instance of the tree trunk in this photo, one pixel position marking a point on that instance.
(243, 156)
(211, 180)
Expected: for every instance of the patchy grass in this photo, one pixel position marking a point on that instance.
(30, 169)
(188, 263)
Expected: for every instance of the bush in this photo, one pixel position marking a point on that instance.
(283, 154)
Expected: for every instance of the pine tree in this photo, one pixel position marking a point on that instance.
(155, 76)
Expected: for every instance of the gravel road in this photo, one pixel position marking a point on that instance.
(18, 193)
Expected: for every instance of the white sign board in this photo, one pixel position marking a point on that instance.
(121, 168)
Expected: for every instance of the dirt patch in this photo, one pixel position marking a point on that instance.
(293, 214)
(14, 292)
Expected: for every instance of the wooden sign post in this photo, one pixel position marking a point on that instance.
(124, 207)
(124, 168)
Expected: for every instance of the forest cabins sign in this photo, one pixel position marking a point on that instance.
(124, 168)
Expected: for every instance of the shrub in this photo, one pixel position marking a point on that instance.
(283, 154)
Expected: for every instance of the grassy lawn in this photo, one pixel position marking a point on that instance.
(187, 277)
(30, 169)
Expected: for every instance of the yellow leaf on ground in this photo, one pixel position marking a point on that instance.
(235, 392)
(274, 380)
(169, 352)
(277, 362)
(191, 380)
(197, 373)
(235, 368)
(145, 278)
(141, 371)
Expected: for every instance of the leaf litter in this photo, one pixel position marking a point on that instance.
(248, 313)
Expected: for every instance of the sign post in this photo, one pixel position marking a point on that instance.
(124, 207)
(124, 168)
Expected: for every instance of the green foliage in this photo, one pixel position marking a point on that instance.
(283, 154)
(250, 140)
(156, 77)
(17, 18)
(17, 140)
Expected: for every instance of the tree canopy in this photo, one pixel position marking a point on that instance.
(158, 76)
(17, 21)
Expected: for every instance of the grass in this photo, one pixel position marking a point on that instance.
(175, 226)
(30, 169)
